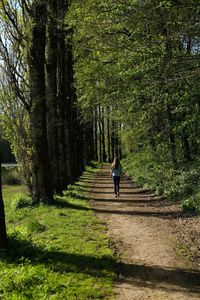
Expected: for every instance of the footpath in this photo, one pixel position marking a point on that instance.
(142, 231)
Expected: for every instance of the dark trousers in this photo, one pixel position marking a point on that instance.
(116, 180)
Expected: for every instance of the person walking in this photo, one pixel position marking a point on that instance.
(116, 170)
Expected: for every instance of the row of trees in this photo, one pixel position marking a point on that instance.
(84, 80)
(38, 99)
(50, 137)
(141, 59)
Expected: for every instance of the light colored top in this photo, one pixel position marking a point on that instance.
(116, 171)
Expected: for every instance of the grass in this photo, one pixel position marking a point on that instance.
(56, 252)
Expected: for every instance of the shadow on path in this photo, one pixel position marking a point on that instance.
(135, 201)
(156, 276)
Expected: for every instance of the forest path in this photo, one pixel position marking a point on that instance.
(143, 230)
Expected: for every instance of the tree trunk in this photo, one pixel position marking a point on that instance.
(3, 235)
(103, 136)
(120, 142)
(171, 137)
(186, 146)
(51, 93)
(100, 134)
(42, 187)
(108, 136)
(64, 114)
(95, 135)
(112, 139)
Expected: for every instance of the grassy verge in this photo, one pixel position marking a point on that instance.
(56, 252)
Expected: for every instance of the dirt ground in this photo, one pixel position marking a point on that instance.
(157, 246)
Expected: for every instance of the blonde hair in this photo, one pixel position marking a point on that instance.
(116, 163)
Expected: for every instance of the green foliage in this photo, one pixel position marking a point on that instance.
(141, 60)
(93, 167)
(16, 130)
(164, 179)
(56, 252)
(192, 204)
(10, 175)
(188, 205)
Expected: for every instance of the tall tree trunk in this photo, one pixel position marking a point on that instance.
(42, 187)
(171, 137)
(186, 146)
(103, 136)
(108, 136)
(120, 142)
(100, 134)
(3, 235)
(63, 118)
(112, 139)
(51, 93)
(95, 135)
(88, 142)
(64, 99)
(64, 115)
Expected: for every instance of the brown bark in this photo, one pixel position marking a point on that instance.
(64, 115)
(42, 187)
(103, 136)
(3, 234)
(171, 137)
(95, 136)
(100, 134)
(51, 93)
(108, 136)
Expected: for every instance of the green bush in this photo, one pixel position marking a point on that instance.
(163, 178)
(192, 203)
(188, 205)
(10, 176)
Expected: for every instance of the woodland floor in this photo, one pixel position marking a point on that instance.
(158, 247)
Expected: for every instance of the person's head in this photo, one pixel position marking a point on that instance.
(115, 163)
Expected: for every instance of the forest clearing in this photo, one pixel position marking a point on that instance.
(86, 86)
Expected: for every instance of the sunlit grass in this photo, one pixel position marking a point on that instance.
(56, 252)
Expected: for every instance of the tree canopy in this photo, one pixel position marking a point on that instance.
(90, 81)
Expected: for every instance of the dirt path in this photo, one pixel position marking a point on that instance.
(143, 228)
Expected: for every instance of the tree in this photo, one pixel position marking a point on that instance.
(3, 234)
(42, 186)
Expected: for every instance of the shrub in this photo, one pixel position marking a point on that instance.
(160, 176)
(10, 175)
(188, 205)
(192, 203)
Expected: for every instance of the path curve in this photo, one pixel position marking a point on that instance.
(142, 228)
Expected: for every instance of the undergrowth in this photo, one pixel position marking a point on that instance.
(56, 252)
(10, 175)
(182, 182)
